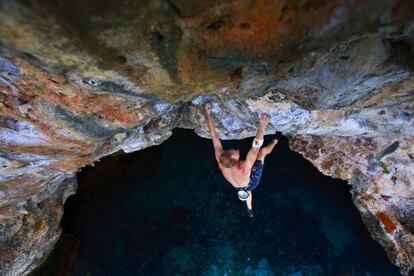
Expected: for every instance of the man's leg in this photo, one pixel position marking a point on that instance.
(249, 204)
(266, 150)
(249, 200)
(261, 157)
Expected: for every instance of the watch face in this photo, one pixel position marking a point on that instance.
(243, 195)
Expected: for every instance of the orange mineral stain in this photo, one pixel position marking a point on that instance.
(386, 221)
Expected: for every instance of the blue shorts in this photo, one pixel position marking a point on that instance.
(255, 176)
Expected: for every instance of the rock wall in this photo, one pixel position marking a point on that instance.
(380, 171)
(83, 79)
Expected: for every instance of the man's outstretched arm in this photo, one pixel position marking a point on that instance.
(254, 151)
(218, 148)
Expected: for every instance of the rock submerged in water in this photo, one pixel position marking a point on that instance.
(336, 77)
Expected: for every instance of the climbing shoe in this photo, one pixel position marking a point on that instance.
(250, 213)
(277, 135)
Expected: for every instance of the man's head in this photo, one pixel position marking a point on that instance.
(229, 158)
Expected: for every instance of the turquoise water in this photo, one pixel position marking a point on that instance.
(167, 210)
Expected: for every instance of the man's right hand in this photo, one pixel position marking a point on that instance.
(207, 108)
(264, 120)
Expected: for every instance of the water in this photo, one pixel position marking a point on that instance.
(167, 210)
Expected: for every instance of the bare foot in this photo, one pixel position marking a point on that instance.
(268, 149)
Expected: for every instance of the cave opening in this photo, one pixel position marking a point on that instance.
(167, 210)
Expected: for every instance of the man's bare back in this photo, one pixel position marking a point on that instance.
(238, 176)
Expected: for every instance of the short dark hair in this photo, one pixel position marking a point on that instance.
(226, 160)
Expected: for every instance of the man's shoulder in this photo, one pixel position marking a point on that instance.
(244, 165)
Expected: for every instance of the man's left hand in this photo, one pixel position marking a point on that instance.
(264, 120)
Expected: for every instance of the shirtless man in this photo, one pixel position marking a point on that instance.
(244, 175)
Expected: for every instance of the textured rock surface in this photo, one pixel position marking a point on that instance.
(380, 171)
(35, 229)
(83, 79)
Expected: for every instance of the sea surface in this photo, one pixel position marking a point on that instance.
(167, 210)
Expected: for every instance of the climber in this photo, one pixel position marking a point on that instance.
(244, 175)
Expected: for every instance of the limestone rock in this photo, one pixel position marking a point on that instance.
(380, 174)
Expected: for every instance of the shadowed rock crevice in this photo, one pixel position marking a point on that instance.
(402, 53)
